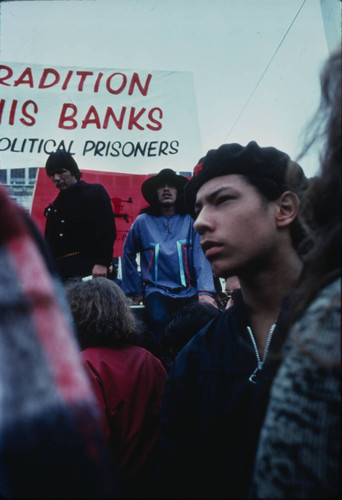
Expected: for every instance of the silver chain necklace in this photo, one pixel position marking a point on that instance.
(253, 377)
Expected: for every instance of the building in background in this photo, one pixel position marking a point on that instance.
(20, 183)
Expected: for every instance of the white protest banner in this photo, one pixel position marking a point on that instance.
(133, 121)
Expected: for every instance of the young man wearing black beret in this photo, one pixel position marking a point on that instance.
(246, 215)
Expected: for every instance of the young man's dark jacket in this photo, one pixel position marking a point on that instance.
(212, 413)
(80, 229)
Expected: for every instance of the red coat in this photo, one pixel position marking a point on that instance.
(128, 383)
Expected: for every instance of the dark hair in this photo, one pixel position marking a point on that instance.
(186, 322)
(62, 159)
(322, 206)
(101, 313)
(295, 181)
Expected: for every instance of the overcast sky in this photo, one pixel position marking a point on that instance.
(255, 63)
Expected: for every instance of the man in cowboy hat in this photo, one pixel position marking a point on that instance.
(80, 224)
(174, 270)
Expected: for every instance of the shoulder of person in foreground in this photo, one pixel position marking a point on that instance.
(48, 421)
(304, 409)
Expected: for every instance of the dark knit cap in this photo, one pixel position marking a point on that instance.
(165, 176)
(251, 160)
(62, 159)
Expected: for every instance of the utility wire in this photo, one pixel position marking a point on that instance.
(264, 72)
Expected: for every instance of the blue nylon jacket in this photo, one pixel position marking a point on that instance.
(171, 259)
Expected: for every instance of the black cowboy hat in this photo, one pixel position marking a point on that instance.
(165, 176)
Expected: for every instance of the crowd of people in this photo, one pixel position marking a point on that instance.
(206, 394)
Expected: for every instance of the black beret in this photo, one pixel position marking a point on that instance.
(233, 158)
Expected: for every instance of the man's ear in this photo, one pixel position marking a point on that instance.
(287, 208)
